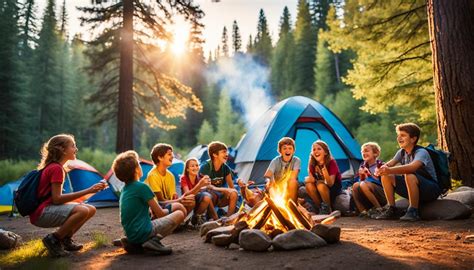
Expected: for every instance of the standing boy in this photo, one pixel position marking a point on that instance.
(135, 201)
(221, 176)
(415, 177)
(162, 182)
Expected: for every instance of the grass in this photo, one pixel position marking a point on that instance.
(99, 240)
(32, 255)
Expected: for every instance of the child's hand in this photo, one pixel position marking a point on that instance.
(97, 187)
(205, 181)
(384, 170)
(187, 200)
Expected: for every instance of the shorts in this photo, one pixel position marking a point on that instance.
(200, 196)
(429, 189)
(55, 215)
(163, 226)
(378, 193)
(217, 196)
(168, 206)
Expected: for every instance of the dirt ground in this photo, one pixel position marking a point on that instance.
(365, 244)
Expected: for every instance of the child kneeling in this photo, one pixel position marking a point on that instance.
(135, 201)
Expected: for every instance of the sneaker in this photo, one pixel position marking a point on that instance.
(153, 244)
(411, 215)
(70, 245)
(363, 214)
(388, 213)
(54, 246)
(374, 212)
(324, 209)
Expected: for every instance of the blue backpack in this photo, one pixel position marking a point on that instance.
(441, 164)
(26, 196)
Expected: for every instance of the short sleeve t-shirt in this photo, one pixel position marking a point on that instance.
(419, 154)
(164, 184)
(134, 215)
(52, 173)
(332, 168)
(218, 178)
(186, 182)
(278, 166)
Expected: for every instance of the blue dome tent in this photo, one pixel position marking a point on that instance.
(304, 120)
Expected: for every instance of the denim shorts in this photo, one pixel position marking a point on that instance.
(55, 215)
(429, 189)
(200, 196)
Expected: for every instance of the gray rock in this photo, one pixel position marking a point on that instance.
(297, 239)
(402, 204)
(222, 240)
(210, 225)
(465, 197)
(254, 240)
(342, 202)
(9, 240)
(463, 188)
(217, 231)
(331, 234)
(444, 209)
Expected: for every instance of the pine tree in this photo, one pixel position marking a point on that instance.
(263, 42)
(225, 42)
(319, 11)
(206, 133)
(229, 128)
(282, 76)
(11, 105)
(147, 91)
(46, 96)
(236, 38)
(305, 43)
(250, 46)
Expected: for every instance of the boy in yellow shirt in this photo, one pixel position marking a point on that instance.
(162, 182)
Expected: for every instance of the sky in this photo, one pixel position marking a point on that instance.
(218, 15)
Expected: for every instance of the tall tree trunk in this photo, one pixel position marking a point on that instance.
(125, 104)
(451, 26)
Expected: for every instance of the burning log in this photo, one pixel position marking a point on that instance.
(301, 218)
(286, 223)
(263, 219)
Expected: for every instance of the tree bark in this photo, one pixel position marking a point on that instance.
(451, 26)
(125, 104)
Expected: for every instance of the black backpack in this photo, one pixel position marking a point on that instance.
(26, 196)
(440, 160)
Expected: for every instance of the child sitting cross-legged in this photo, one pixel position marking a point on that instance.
(368, 191)
(135, 201)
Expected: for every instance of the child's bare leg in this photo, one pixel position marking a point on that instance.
(357, 197)
(368, 190)
(212, 211)
(313, 193)
(178, 207)
(293, 190)
(232, 202)
(77, 217)
(323, 190)
(413, 190)
(203, 205)
(91, 213)
(178, 217)
(388, 183)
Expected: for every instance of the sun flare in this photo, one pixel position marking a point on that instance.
(180, 32)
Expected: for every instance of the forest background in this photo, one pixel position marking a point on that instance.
(368, 61)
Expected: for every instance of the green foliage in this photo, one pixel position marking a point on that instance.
(225, 42)
(305, 50)
(282, 65)
(262, 47)
(206, 133)
(99, 159)
(393, 64)
(236, 38)
(229, 126)
(12, 169)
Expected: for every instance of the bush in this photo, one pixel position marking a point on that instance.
(99, 159)
(11, 170)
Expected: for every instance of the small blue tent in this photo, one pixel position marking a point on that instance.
(6, 196)
(199, 152)
(304, 120)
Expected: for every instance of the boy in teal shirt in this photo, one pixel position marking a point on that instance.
(135, 201)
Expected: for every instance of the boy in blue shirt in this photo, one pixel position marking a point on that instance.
(135, 201)
(414, 178)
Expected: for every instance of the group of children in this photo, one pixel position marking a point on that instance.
(152, 210)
